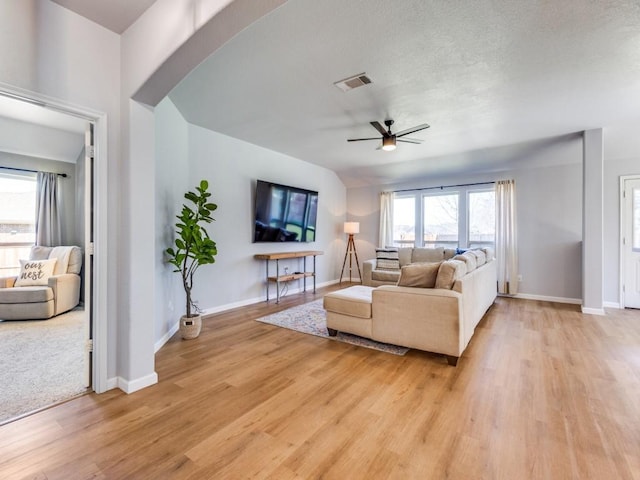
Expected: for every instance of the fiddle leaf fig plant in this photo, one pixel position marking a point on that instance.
(193, 246)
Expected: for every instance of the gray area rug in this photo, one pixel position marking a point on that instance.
(311, 318)
(41, 363)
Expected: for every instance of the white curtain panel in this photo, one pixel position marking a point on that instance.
(386, 219)
(506, 238)
(48, 226)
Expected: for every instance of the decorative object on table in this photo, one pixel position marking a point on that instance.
(311, 318)
(193, 248)
(351, 228)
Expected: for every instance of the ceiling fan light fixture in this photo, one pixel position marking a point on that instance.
(389, 143)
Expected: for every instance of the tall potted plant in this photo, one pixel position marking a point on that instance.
(193, 248)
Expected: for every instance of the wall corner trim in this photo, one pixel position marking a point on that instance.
(593, 311)
(130, 386)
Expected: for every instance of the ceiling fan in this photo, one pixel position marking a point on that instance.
(389, 139)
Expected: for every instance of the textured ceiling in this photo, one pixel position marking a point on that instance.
(482, 73)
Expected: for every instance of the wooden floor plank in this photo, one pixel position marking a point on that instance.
(542, 392)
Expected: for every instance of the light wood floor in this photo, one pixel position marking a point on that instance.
(542, 392)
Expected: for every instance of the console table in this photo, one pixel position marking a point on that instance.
(277, 278)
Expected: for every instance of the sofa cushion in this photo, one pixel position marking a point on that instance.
(387, 259)
(481, 258)
(35, 272)
(404, 253)
(449, 272)
(427, 255)
(422, 275)
(39, 252)
(35, 294)
(354, 301)
(62, 255)
(449, 253)
(468, 258)
(74, 264)
(490, 253)
(385, 275)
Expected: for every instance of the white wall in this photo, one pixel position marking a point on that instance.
(186, 154)
(162, 46)
(172, 181)
(48, 50)
(621, 157)
(549, 203)
(232, 166)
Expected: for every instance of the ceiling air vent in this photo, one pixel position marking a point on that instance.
(353, 82)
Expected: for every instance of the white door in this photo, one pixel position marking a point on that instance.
(631, 243)
(88, 252)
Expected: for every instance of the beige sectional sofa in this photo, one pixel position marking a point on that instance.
(373, 276)
(439, 319)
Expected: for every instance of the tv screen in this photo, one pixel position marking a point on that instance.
(284, 214)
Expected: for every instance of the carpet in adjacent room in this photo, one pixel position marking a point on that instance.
(41, 363)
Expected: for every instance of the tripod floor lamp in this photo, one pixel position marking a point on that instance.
(351, 228)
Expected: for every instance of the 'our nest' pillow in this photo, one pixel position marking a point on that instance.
(35, 272)
(422, 275)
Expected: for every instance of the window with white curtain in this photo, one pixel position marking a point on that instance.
(462, 217)
(17, 220)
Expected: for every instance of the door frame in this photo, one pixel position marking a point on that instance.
(623, 179)
(99, 374)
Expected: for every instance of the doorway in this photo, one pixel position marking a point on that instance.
(630, 241)
(24, 117)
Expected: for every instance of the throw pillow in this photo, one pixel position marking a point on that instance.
(468, 258)
(35, 272)
(449, 272)
(422, 275)
(387, 259)
(481, 258)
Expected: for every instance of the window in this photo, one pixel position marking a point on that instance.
(17, 220)
(463, 217)
(404, 221)
(482, 218)
(440, 220)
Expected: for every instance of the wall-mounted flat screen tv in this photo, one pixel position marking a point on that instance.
(284, 213)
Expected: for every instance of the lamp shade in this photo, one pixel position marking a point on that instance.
(351, 227)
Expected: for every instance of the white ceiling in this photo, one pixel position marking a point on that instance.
(483, 73)
(36, 131)
(116, 15)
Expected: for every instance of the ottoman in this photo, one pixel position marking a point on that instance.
(349, 311)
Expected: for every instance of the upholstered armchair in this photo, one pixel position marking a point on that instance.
(48, 284)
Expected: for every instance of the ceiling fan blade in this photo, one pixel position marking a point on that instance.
(411, 130)
(380, 128)
(409, 140)
(360, 139)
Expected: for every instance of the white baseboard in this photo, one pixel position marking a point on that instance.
(611, 305)
(545, 298)
(593, 311)
(112, 383)
(165, 338)
(130, 386)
